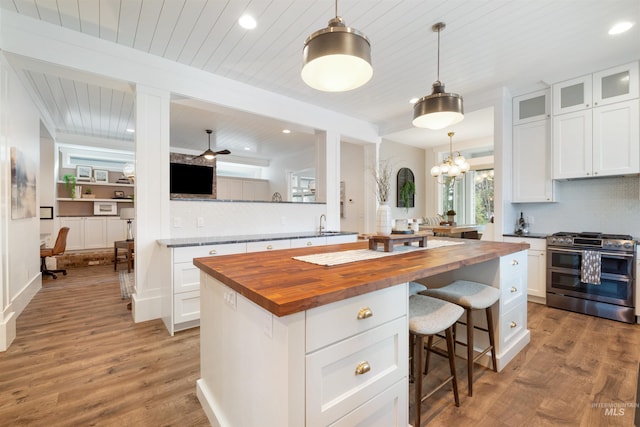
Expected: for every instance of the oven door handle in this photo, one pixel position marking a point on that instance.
(579, 251)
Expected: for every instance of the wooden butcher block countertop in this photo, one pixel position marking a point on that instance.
(283, 285)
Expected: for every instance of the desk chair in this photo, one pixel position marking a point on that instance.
(58, 248)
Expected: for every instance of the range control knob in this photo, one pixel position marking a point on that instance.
(628, 245)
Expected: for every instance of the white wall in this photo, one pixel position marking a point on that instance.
(608, 205)
(405, 156)
(352, 171)
(278, 168)
(19, 238)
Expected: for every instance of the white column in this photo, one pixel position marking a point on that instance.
(151, 199)
(328, 152)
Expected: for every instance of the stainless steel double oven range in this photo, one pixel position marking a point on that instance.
(613, 297)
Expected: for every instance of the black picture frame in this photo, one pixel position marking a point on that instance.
(46, 212)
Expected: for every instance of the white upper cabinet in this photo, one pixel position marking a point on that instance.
(615, 85)
(602, 88)
(531, 107)
(616, 139)
(572, 95)
(532, 170)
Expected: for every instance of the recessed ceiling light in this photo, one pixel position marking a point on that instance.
(247, 148)
(131, 130)
(247, 22)
(286, 131)
(413, 100)
(620, 28)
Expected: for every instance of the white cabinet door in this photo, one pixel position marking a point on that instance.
(268, 245)
(531, 107)
(572, 145)
(229, 188)
(532, 164)
(75, 238)
(95, 233)
(616, 139)
(116, 230)
(309, 241)
(536, 274)
(616, 84)
(255, 190)
(572, 95)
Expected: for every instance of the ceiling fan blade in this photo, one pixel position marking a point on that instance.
(223, 152)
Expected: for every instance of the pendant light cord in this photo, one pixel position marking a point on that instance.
(438, 71)
(336, 8)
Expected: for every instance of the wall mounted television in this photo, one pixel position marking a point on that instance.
(194, 180)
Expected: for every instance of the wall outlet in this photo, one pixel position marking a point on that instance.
(177, 222)
(200, 222)
(230, 298)
(283, 220)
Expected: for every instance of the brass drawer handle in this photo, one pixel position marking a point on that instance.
(513, 325)
(269, 247)
(364, 313)
(514, 289)
(212, 252)
(363, 368)
(309, 244)
(514, 262)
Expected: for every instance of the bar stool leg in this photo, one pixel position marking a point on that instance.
(419, 348)
(452, 363)
(492, 343)
(426, 361)
(470, 350)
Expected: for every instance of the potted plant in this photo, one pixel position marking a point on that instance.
(451, 216)
(406, 193)
(70, 184)
(88, 193)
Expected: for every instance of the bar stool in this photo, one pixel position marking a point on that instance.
(416, 288)
(472, 296)
(427, 317)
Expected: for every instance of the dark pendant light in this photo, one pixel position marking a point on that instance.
(336, 58)
(440, 109)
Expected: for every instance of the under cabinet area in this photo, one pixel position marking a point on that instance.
(181, 306)
(93, 232)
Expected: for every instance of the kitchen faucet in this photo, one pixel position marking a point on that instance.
(325, 223)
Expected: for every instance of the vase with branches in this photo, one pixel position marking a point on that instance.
(383, 176)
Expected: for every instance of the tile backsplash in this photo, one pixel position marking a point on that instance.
(214, 218)
(608, 205)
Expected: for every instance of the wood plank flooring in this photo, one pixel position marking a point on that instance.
(79, 360)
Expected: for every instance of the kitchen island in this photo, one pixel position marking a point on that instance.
(290, 343)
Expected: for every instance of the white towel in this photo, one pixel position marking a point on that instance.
(591, 267)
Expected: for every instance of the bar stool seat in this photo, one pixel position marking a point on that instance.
(416, 288)
(427, 317)
(472, 296)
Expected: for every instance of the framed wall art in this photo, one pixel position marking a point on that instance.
(101, 175)
(23, 186)
(83, 173)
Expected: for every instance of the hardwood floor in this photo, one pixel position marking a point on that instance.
(573, 363)
(78, 359)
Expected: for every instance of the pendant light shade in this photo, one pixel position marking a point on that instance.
(336, 58)
(440, 109)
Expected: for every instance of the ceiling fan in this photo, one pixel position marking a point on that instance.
(210, 154)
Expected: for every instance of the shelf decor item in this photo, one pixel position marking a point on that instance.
(383, 188)
(101, 175)
(70, 183)
(88, 194)
(83, 173)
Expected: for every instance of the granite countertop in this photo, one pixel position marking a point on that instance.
(243, 238)
(527, 236)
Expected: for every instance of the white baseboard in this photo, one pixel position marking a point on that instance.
(15, 308)
(144, 309)
(7, 330)
(206, 401)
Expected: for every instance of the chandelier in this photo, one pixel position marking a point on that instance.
(452, 167)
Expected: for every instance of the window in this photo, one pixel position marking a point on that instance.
(97, 158)
(471, 197)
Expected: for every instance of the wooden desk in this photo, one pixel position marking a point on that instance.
(123, 244)
(392, 239)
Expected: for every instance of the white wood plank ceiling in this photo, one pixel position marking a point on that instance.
(487, 44)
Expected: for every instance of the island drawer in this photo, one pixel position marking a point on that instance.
(512, 323)
(513, 289)
(308, 241)
(389, 408)
(333, 322)
(187, 254)
(351, 372)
